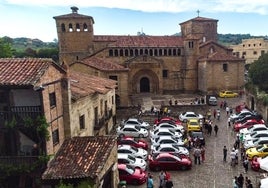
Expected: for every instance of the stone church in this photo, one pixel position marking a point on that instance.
(189, 63)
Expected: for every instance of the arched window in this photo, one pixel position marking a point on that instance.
(165, 52)
(141, 51)
(146, 51)
(155, 52)
(169, 52)
(77, 27)
(63, 27)
(136, 52)
(126, 52)
(160, 52)
(121, 52)
(131, 52)
(116, 52)
(151, 52)
(70, 27)
(85, 27)
(179, 52)
(111, 53)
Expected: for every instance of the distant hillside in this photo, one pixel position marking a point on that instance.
(229, 39)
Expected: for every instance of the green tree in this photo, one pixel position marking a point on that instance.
(258, 72)
(5, 49)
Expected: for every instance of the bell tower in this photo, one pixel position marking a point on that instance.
(75, 36)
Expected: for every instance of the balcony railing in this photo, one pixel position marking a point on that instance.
(102, 121)
(19, 113)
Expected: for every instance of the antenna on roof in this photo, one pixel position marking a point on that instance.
(198, 11)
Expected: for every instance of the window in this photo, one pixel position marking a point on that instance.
(70, 28)
(77, 27)
(225, 67)
(55, 137)
(113, 77)
(191, 44)
(165, 73)
(85, 27)
(255, 53)
(63, 28)
(111, 53)
(82, 122)
(52, 99)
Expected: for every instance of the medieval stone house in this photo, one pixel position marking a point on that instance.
(191, 62)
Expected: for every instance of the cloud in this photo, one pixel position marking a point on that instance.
(172, 6)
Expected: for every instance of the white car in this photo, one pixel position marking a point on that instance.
(255, 142)
(131, 160)
(190, 115)
(212, 100)
(170, 148)
(166, 140)
(136, 152)
(256, 127)
(241, 114)
(132, 130)
(255, 135)
(164, 132)
(172, 127)
(135, 121)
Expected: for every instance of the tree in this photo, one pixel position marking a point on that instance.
(258, 72)
(5, 49)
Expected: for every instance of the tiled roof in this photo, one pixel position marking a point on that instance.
(140, 41)
(80, 157)
(199, 19)
(103, 64)
(73, 16)
(22, 71)
(83, 85)
(220, 57)
(215, 43)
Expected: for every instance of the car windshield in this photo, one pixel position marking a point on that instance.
(130, 169)
(259, 149)
(140, 121)
(134, 149)
(138, 128)
(132, 159)
(193, 123)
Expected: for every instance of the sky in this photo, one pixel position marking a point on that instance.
(34, 18)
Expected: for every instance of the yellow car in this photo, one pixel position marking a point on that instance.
(193, 125)
(259, 151)
(227, 94)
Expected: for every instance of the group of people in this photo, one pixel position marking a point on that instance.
(164, 180)
(240, 181)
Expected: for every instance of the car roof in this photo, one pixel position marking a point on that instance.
(129, 125)
(124, 146)
(133, 119)
(122, 155)
(193, 120)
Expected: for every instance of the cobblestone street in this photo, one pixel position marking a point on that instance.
(213, 173)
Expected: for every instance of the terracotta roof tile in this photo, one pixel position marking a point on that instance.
(103, 64)
(220, 57)
(80, 157)
(22, 71)
(141, 41)
(83, 85)
(199, 19)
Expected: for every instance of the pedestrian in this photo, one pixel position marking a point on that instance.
(224, 153)
(150, 182)
(227, 109)
(203, 151)
(209, 129)
(229, 121)
(245, 164)
(167, 175)
(169, 183)
(214, 113)
(170, 102)
(240, 181)
(197, 153)
(218, 114)
(216, 128)
(236, 155)
(233, 156)
(235, 182)
(249, 184)
(162, 177)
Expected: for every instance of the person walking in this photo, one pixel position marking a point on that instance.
(197, 153)
(245, 164)
(224, 153)
(216, 128)
(203, 151)
(240, 181)
(169, 183)
(162, 178)
(150, 182)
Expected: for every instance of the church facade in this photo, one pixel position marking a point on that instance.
(192, 62)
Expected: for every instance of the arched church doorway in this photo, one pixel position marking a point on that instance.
(144, 85)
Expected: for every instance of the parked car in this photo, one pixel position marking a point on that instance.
(241, 107)
(138, 143)
(255, 163)
(132, 130)
(212, 100)
(169, 126)
(131, 160)
(164, 132)
(249, 123)
(193, 125)
(136, 152)
(255, 135)
(240, 115)
(131, 175)
(170, 148)
(255, 143)
(227, 94)
(247, 117)
(169, 120)
(167, 161)
(185, 116)
(200, 135)
(255, 127)
(135, 121)
(166, 140)
(259, 151)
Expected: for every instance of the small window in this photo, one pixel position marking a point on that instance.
(225, 67)
(52, 99)
(85, 27)
(55, 137)
(82, 122)
(77, 27)
(111, 53)
(63, 28)
(255, 53)
(165, 73)
(113, 77)
(191, 44)
(70, 28)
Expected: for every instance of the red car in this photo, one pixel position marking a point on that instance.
(168, 120)
(255, 163)
(138, 143)
(241, 107)
(131, 175)
(168, 161)
(247, 124)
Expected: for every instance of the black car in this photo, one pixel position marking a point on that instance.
(247, 117)
(200, 135)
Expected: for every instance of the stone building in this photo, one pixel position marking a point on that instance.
(151, 64)
(250, 49)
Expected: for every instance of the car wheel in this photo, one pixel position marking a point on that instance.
(185, 120)
(141, 135)
(183, 167)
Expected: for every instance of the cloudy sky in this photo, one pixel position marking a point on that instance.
(34, 18)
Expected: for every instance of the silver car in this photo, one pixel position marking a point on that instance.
(132, 130)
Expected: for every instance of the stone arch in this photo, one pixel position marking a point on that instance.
(145, 81)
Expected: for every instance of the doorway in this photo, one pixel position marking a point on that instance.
(144, 85)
